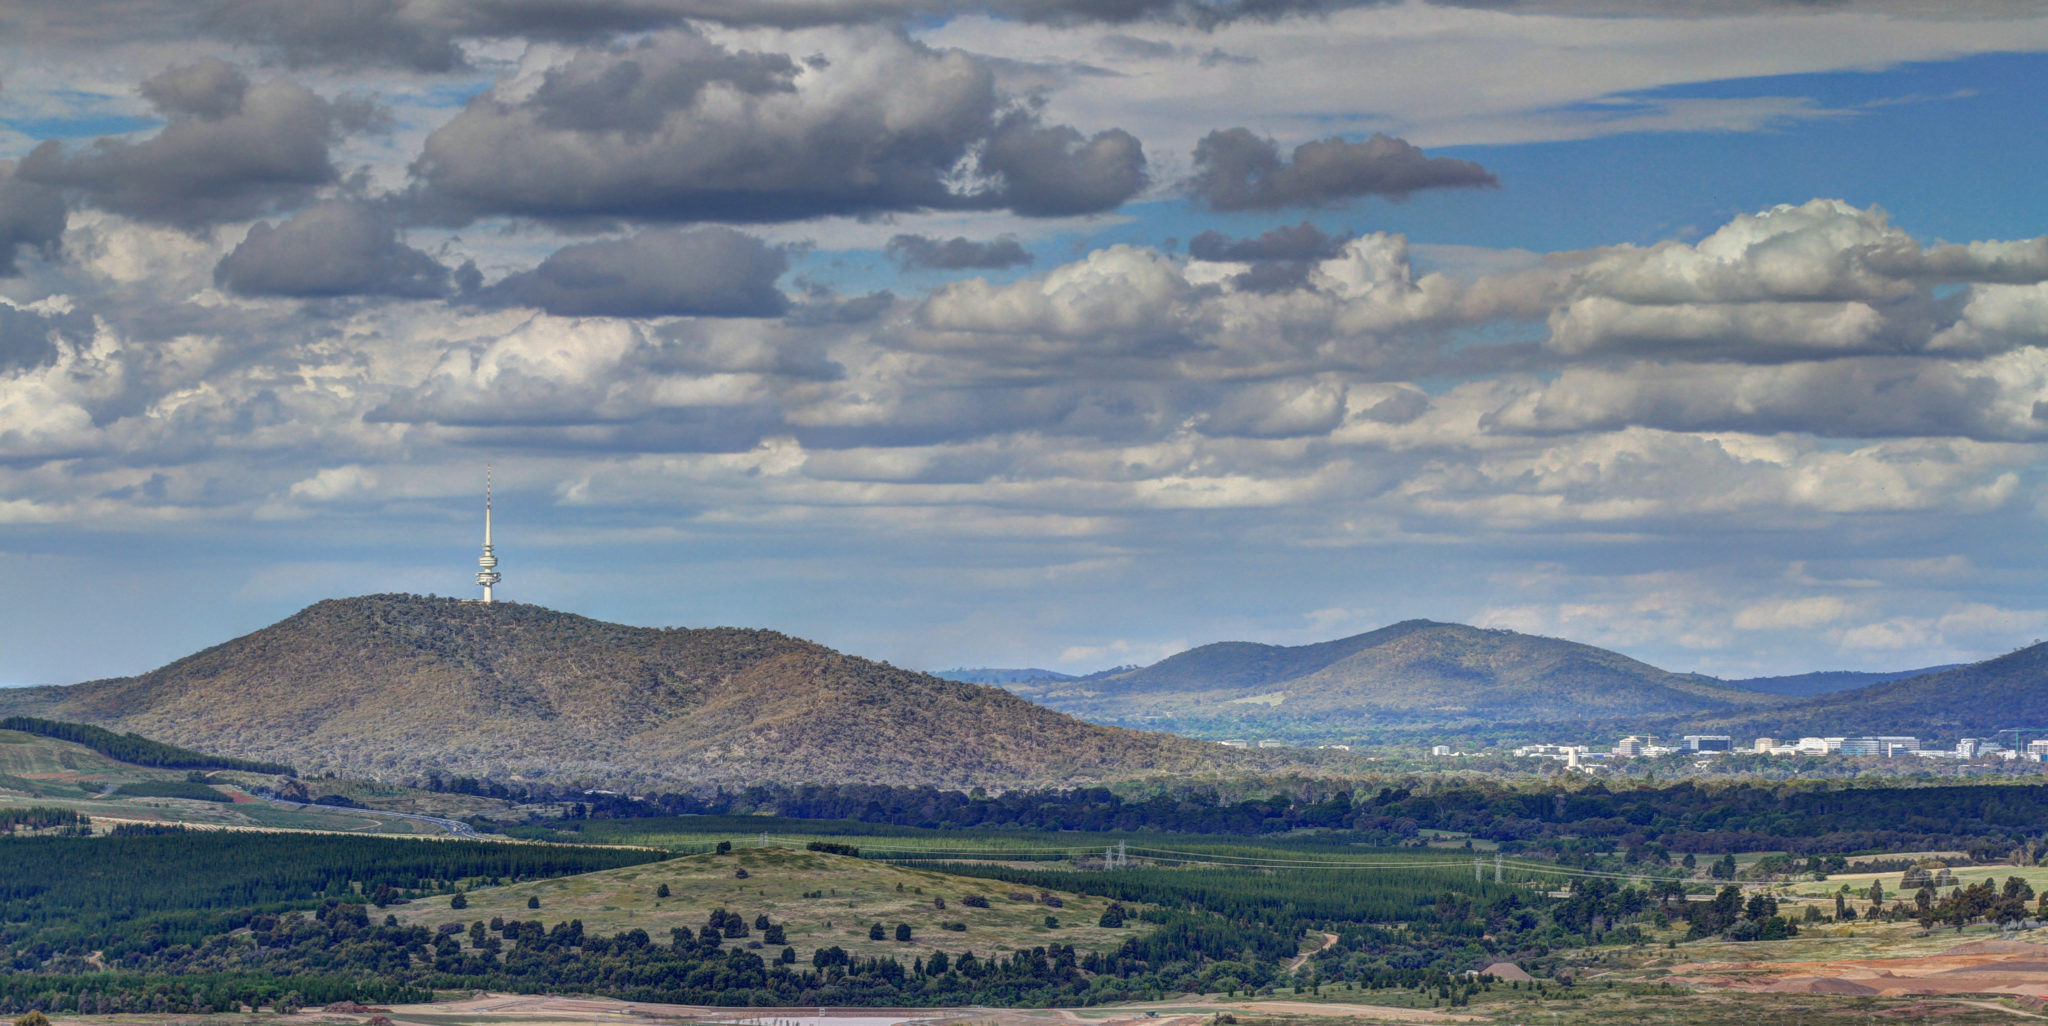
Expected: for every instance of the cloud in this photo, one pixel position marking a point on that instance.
(1236, 170)
(330, 249)
(1820, 279)
(427, 35)
(32, 217)
(422, 36)
(678, 128)
(232, 149)
(1112, 291)
(1298, 242)
(1864, 398)
(1792, 614)
(1281, 258)
(1278, 409)
(27, 337)
(922, 252)
(1052, 171)
(704, 272)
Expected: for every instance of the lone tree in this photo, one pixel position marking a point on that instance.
(661, 891)
(902, 931)
(533, 902)
(875, 932)
(460, 900)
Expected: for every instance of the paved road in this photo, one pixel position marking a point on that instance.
(453, 826)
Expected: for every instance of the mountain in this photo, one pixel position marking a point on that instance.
(1827, 682)
(995, 675)
(1412, 675)
(389, 685)
(1973, 700)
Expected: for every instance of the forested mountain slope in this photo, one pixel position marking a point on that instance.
(1977, 700)
(397, 684)
(1828, 682)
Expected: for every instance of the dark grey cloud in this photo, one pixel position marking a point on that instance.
(427, 35)
(31, 217)
(705, 272)
(232, 149)
(914, 252)
(1236, 170)
(421, 36)
(1302, 241)
(28, 338)
(626, 134)
(1281, 258)
(1051, 171)
(331, 249)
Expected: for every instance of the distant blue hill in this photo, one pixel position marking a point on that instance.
(996, 675)
(1827, 682)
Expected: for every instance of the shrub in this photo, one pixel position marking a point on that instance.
(974, 901)
(533, 902)
(460, 900)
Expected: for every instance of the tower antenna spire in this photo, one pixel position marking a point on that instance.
(487, 564)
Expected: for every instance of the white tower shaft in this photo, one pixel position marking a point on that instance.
(487, 573)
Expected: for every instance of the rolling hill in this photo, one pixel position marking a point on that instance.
(1417, 674)
(791, 888)
(392, 685)
(1971, 700)
(1828, 682)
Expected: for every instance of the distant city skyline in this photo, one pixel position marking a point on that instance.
(1066, 334)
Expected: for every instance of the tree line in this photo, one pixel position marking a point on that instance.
(136, 749)
(1809, 817)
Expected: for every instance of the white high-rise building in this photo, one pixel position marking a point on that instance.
(487, 573)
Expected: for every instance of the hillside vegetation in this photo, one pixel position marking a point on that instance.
(818, 900)
(1411, 674)
(401, 684)
(134, 748)
(1973, 700)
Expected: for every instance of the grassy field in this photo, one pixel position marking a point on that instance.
(1859, 883)
(820, 900)
(46, 772)
(396, 798)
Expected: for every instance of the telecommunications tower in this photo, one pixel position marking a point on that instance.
(487, 564)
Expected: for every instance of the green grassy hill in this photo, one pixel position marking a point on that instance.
(820, 900)
(397, 684)
(1412, 674)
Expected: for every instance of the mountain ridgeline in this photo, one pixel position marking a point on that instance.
(393, 685)
(1421, 677)
(1418, 674)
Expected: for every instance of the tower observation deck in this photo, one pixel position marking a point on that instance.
(487, 573)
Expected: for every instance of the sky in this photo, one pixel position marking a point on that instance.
(1059, 333)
